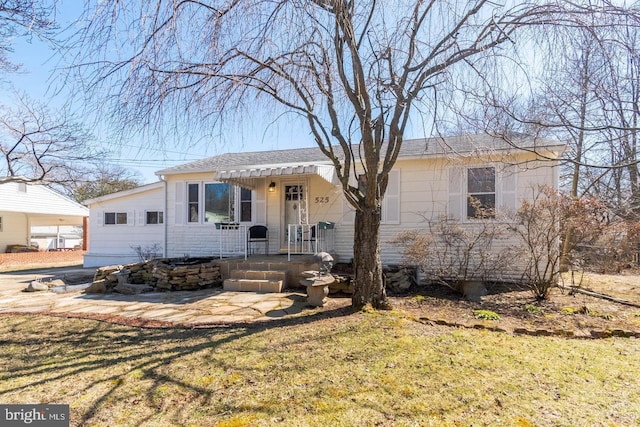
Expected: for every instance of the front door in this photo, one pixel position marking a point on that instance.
(295, 207)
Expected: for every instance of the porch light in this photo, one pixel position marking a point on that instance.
(272, 187)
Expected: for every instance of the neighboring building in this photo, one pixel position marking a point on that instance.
(23, 206)
(204, 208)
(51, 238)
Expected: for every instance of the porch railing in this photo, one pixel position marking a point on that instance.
(310, 238)
(232, 239)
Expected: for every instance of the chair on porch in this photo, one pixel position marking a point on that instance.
(255, 235)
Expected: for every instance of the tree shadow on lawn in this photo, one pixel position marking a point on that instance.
(49, 356)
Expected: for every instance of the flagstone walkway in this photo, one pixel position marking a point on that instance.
(208, 306)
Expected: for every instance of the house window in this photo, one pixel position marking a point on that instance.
(215, 202)
(193, 202)
(154, 217)
(115, 218)
(245, 205)
(481, 192)
(218, 203)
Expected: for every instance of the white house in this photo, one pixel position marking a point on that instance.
(23, 206)
(124, 221)
(47, 238)
(205, 208)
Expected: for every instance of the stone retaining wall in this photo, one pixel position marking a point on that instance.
(165, 274)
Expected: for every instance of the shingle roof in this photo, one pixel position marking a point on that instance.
(436, 146)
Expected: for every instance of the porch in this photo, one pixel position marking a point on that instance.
(238, 240)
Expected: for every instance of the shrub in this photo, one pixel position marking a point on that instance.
(452, 253)
(537, 225)
(486, 315)
(145, 253)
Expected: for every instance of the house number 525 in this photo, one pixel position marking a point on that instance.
(322, 199)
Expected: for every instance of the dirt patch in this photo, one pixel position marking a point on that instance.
(30, 260)
(564, 313)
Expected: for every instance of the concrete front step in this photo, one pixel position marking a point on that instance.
(252, 285)
(258, 274)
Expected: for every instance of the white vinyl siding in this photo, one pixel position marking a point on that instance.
(116, 242)
(390, 203)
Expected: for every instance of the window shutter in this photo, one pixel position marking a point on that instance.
(141, 218)
(131, 217)
(348, 212)
(456, 193)
(391, 201)
(260, 209)
(508, 185)
(179, 203)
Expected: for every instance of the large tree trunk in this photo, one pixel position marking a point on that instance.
(369, 282)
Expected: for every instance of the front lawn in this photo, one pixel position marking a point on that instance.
(340, 369)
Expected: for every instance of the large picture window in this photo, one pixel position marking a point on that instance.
(218, 202)
(481, 191)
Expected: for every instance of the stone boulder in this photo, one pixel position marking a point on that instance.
(131, 289)
(36, 286)
(97, 287)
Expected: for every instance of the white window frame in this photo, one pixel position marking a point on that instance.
(159, 217)
(198, 202)
(115, 218)
(480, 193)
(506, 184)
(238, 202)
(235, 192)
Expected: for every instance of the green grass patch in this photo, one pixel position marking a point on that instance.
(355, 370)
(485, 315)
(533, 309)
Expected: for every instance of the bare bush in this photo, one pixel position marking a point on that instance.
(453, 253)
(537, 225)
(148, 252)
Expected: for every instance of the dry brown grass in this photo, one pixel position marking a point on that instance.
(344, 369)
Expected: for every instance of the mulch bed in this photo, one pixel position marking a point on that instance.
(564, 313)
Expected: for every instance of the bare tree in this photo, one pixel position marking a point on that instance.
(105, 179)
(23, 18)
(355, 72)
(39, 145)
